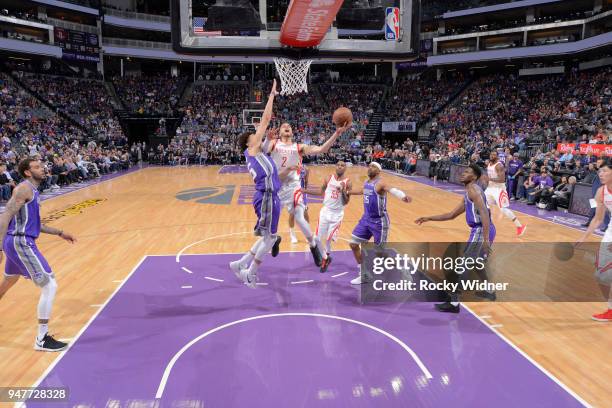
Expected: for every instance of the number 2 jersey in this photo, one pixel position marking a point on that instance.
(287, 155)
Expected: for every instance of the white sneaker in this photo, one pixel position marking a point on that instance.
(294, 239)
(249, 279)
(236, 267)
(361, 279)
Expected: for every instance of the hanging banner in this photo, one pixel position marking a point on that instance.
(307, 22)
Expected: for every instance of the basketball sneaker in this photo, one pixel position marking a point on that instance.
(249, 279)
(325, 264)
(236, 267)
(276, 247)
(603, 317)
(316, 255)
(361, 279)
(294, 239)
(48, 343)
(520, 230)
(447, 307)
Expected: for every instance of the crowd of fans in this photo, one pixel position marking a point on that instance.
(505, 111)
(86, 101)
(416, 99)
(149, 95)
(28, 128)
(496, 112)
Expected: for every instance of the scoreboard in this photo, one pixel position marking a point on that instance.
(78, 45)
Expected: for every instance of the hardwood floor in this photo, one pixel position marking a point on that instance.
(140, 215)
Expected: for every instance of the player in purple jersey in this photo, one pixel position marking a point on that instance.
(482, 230)
(266, 203)
(375, 221)
(20, 226)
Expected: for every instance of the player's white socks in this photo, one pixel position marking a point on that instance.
(43, 328)
(304, 225)
(510, 215)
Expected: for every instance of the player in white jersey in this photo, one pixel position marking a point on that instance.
(603, 271)
(496, 191)
(304, 183)
(335, 197)
(287, 153)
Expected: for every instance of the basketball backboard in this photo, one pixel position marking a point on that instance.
(200, 27)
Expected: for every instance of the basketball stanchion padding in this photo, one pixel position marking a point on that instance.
(293, 75)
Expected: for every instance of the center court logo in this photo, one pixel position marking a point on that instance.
(220, 195)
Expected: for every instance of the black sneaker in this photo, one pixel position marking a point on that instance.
(492, 296)
(48, 343)
(316, 255)
(325, 264)
(447, 307)
(276, 247)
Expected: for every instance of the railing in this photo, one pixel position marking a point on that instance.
(136, 16)
(136, 43)
(69, 25)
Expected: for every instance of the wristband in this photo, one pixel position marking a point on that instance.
(397, 193)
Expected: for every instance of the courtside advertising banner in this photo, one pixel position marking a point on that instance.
(308, 21)
(585, 148)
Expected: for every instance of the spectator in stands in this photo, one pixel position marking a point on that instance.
(527, 187)
(514, 170)
(542, 187)
(562, 193)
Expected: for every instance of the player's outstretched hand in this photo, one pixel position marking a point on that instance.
(68, 237)
(407, 199)
(273, 92)
(344, 128)
(273, 134)
(421, 220)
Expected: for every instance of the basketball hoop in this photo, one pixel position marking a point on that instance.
(293, 75)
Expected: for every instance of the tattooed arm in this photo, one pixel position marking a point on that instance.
(21, 195)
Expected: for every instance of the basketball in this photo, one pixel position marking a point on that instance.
(342, 116)
(564, 251)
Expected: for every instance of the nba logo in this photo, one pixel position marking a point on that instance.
(392, 24)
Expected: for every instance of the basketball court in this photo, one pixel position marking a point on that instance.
(155, 316)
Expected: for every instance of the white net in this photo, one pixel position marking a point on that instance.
(293, 75)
